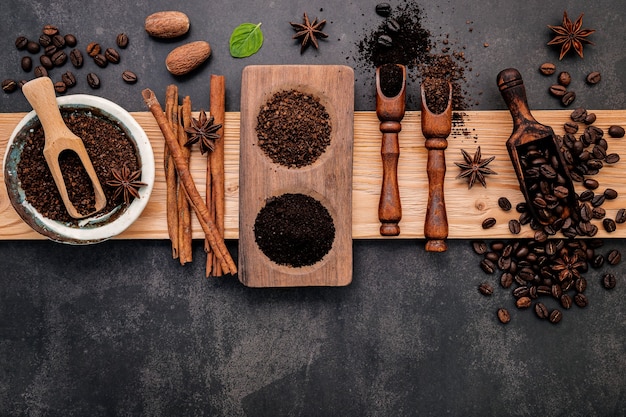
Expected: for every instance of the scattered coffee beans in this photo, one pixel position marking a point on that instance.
(593, 77)
(112, 55)
(547, 68)
(122, 40)
(129, 77)
(485, 289)
(489, 222)
(9, 86)
(93, 80)
(383, 9)
(100, 60)
(76, 57)
(616, 131)
(568, 98)
(93, 49)
(564, 78)
(504, 316)
(504, 203)
(27, 63)
(609, 281)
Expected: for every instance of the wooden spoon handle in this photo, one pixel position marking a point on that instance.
(513, 92)
(436, 222)
(389, 206)
(41, 96)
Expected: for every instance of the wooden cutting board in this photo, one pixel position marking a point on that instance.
(488, 129)
(328, 180)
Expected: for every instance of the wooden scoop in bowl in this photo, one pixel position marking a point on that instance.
(41, 96)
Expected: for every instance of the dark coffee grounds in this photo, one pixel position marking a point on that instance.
(108, 146)
(437, 93)
(412, 46)
(391, 80)
(294, 230)
(293, 128)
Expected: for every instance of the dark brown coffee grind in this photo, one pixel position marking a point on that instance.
(293, 128)
(391, 80)
(294, 230)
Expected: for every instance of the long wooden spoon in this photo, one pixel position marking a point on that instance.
(41, 95)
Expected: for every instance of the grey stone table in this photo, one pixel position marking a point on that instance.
(118, 329)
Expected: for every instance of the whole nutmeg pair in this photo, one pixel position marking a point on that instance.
(172, 24)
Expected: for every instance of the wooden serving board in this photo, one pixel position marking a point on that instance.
(328, 180)
(466, 208)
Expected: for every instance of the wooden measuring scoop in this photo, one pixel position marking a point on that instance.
(530, 142)
(58, 138)
(436, 128)
(390, 112)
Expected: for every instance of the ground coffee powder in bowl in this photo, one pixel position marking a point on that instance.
(113, 139)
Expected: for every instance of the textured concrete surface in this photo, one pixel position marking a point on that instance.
(118, 329)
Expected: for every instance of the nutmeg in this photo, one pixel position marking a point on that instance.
(188, 57)
(167, 24)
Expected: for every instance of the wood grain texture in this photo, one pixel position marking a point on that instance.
(328, 179)
(466, 208)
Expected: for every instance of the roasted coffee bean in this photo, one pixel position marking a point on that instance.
(488, 222)
(597, 261)
(620, 216)
(58, 41)
(33, 47)
(385, 40)
(497, 246)
(547, 68)
(40, 71)
(59, 58)
(60, 87)
(129, 77)
(610, 194)
(609, 225)
(112, 55)
(27, 63)
(504, 263)
(100, 60)
(46, 62)
(506, 279)
(392, 26)
(598, 200)
(515, 227)
(616, 131)
(50, 30)
(568, 98)
(504, 316)
(590, 184)
(493, 256)
(44, 40)
(487, 266)
(593, 77)
(21, 42)
(69, 79)
(70, 40)
(580, 284)
(614, 257)
(76, 57)
(485, 289)
(50, 50)
(9, 86)
(609, 281)
(561, 191)
(541, 311)
(566, 301)
(564, 78)
(612, 158)
(570, 127)
(558, 90)
(581, 300)
(522, 291)
(504, 203)
(541, 236)
(556, 291)
(521, 207)
(590, 119)
(21, 83)
(93, 49)
(598, 213)
(122, 40)
(579, 114)
(555, 316)
(479, 246)
(93, 80)
(523, 302)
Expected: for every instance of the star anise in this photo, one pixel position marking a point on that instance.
(203, 130)
(570, 35)
(475, 168)
(126, 182)
(309, 32)
(568, 267)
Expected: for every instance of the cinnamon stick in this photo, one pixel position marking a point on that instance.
(184, 210)
(171, 204)
(182, 168)
(216, 158)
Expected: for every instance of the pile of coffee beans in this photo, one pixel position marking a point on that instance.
(561, 89)
(51, 51)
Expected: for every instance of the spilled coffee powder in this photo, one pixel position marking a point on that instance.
(390, 76)
(293, 128)
(437, 92)
(294, 230)
(108, 147)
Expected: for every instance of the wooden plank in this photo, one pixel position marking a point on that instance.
(466, 208)
(328, 180)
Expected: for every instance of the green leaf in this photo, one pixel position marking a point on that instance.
(246, 40)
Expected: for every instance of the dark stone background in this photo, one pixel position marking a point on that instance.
(118, 329)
